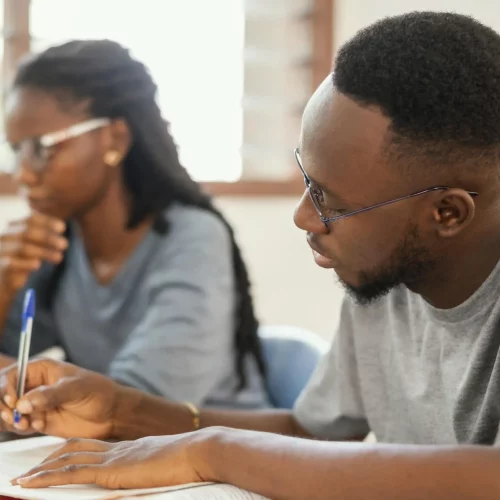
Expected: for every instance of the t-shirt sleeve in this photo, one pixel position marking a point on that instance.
(331, 406)
(183, 346)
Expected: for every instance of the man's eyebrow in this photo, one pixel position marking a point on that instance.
(323, 188)
(327, 190)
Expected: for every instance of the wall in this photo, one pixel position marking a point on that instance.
(352, 15)
(287, 285)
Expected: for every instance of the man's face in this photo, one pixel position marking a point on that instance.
(342, 152)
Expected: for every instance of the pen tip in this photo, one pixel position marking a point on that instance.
(17, 417)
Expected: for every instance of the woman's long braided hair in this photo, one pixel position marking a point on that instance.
(118, 86)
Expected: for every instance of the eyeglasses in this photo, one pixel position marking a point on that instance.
(317, 197)
(38, 149)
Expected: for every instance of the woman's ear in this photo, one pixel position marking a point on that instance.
(117, 143)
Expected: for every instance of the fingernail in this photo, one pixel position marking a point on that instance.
(8, 400)
(37, 425)
(22, 480)
(5, 416)
(25, 406)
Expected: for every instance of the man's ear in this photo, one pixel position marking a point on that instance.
(453, 212)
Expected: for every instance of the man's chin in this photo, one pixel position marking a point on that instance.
(367, 293)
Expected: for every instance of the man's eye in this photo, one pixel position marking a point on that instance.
(318, 195)
(334, 212)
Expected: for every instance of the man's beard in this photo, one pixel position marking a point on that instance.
(409, 262)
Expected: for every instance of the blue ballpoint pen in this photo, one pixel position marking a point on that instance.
(24, 345)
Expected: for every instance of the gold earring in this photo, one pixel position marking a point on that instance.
(112, 158)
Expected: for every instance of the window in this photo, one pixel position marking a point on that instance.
(194, 50)
(233, 75)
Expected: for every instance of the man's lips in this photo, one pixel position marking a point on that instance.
(320, 258)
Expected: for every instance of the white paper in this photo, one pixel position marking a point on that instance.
(19, 456)
(206, 492)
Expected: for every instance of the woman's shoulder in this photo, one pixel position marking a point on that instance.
(189, 224)
(197, 244)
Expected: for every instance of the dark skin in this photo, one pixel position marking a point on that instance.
(64, 399)
(354, 168)
(77, 184)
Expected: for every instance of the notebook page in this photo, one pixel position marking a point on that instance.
(207, 492)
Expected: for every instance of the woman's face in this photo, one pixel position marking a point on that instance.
(69, 178)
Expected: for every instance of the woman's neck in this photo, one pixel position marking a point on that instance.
(103, 228)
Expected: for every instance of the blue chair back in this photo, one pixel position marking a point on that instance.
(292, 355)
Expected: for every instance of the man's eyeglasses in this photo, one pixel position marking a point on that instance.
(38, 149)
(317, 197)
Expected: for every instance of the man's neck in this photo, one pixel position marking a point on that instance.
(459, 276)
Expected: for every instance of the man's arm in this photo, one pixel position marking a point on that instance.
(278, 467)
(67, 401)
(281, 467)
(138, 414)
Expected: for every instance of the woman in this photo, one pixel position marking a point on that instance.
(138, 275)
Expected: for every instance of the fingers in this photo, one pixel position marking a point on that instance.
(19, 264)
(37, 238)
(38, 220)
(38, 373)
(30, 252)
(8, 380)
(66, 464)
(65, 460)
(49, 397)
(35, 402)
(69, 474)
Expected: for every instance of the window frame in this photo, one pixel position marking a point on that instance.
(17, 43)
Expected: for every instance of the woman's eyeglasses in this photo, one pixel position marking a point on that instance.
(38, 149)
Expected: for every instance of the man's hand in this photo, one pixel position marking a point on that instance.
(145, 463)
(25, 245)
(61, 400)
(277, 466)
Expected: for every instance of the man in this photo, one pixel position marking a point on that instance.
(400, 149)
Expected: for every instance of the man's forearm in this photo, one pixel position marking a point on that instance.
(138, 414)
(281, 467)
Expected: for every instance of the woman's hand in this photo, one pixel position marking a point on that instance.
(61, 400)
(24, 245)
(145, 463)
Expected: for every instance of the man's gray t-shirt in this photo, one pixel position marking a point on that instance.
(411, 373)
(166, 322)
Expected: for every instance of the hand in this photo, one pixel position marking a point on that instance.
(25, 245)
(60, 400)
(145, 463)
